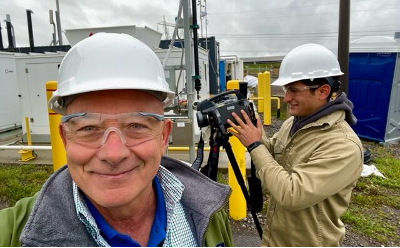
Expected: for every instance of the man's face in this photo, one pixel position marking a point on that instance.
(302, 102)
(115, 174)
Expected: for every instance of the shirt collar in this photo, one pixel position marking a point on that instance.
(157, 233)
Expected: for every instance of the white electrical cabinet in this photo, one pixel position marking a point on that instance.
(33, 71)
(173, 69)
(175, 74)
(10, 112)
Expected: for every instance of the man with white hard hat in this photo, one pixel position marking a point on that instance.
(117, 189)
(311, 165)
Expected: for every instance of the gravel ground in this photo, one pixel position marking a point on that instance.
(245, 233)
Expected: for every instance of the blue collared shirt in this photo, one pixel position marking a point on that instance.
(157, 233)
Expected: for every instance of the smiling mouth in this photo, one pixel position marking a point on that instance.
(115, 176)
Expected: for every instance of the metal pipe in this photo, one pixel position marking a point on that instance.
(9, 33)
(278, 106)
(188, 63)
(30, 29)
(228, 57)
(343, 43)
(171, 45)
(195, 26)
(58, 20)
(1, 40)
(54, 42)
(23, 147)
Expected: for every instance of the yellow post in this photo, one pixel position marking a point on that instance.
(260, 90)
(237, 202)
(267, 98)
(28, 133)
(232, 85)
(57, 147)
(27, 155)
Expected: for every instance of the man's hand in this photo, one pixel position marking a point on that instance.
(246, 132)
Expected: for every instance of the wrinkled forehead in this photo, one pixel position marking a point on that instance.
(115, 101)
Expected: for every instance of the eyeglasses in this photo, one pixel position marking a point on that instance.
(92, 129)
(295, 90)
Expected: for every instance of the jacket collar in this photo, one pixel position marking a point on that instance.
(55, 207)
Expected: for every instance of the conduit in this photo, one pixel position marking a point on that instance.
(22, 147)
(25, 147)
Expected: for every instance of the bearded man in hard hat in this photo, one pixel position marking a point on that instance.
(311, 165)
(117, 189)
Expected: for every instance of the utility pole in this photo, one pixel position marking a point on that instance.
(343, 43)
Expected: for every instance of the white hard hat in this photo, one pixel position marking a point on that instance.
(307, 61)
(107, 61)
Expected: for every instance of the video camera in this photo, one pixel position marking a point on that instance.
(218, 109)
(215, 112)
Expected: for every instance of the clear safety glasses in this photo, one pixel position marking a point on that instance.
(93, 129)
(295, 90)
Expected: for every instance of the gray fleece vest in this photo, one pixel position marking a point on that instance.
(53, 220)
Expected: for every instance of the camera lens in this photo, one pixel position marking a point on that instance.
(202, 119)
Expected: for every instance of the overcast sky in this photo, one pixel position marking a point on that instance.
(242, 27)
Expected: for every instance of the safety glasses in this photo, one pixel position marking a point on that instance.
(93, 129)
(292, 90)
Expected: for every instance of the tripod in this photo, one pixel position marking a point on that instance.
(211, 170)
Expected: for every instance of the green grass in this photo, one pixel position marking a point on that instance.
(375, 202)
(18, 181)
(374, 209)
(373, 226)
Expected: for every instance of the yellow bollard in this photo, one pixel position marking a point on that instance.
(260, 91)
(27, 155)
(232, 85)
(237, 202)
(267, 98)
(57, 147)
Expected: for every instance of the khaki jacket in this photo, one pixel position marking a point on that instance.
(310, 177)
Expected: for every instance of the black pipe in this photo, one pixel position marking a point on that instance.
(30, 29)
(343, 43)
(197, 83)
(1, 40)
(10, 37)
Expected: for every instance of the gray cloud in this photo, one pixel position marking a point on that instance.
(243, 27)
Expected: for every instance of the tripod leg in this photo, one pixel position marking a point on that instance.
(211, 168)
(239, 178)
(214, 157)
